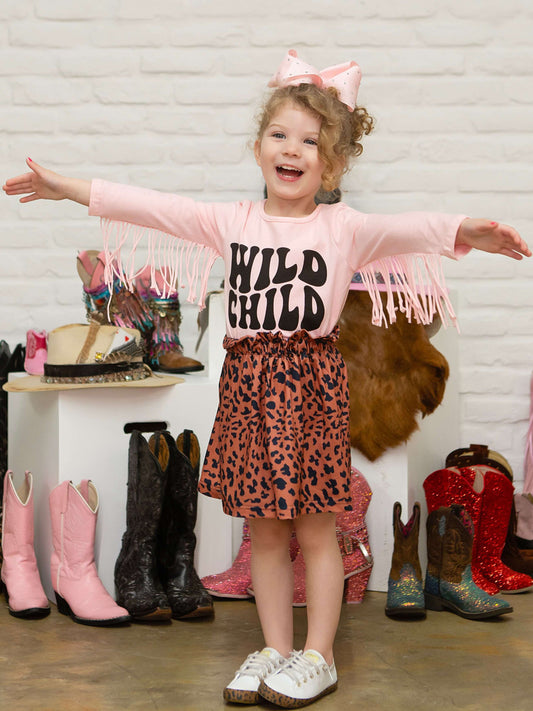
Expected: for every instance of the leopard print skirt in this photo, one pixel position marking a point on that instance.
(280, 443)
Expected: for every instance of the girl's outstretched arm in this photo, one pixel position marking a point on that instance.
(492, 237)
(43, 184)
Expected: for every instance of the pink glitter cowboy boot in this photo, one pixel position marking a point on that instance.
(352, 537)
(234, 581)
(445, 487)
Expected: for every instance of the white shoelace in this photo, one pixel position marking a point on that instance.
(300, 668)
(259, 665)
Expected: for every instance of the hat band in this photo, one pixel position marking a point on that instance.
(95, 373)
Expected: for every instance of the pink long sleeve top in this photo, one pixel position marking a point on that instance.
(282, 274)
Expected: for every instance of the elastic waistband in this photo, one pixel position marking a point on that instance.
(267, 342)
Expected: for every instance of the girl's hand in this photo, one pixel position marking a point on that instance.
(44, 184)
(492, 237)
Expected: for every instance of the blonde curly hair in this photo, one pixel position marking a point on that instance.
(341, 130)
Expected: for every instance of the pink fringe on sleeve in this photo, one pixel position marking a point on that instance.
(178, 261)
(418, 282)
(528, 461)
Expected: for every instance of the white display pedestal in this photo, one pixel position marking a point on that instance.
(79, 434)
(398, 475)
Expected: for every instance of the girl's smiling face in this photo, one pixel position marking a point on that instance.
(287, 154)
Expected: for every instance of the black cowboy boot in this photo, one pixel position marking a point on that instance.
(137, 583)
(177, 541)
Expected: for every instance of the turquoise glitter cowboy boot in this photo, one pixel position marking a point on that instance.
(405, 593)
(449, 583)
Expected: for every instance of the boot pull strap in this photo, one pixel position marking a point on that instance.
(187, 443)
(481, 452)
(62, 495)
(83, 488)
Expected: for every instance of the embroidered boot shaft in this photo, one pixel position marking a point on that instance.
(137, 582)
(449, 584)
(165, 350)
(115, 304)
(405, 592)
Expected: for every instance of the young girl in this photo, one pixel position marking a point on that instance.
(279, 454)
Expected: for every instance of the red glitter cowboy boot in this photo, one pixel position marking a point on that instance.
(491, 532)
(352, 537)
(445, 487)
(480, 454)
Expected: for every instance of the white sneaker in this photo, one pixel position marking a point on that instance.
(243, 689)
(304, 678)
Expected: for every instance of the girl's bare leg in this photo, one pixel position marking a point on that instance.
(324, 581)
(273, 581)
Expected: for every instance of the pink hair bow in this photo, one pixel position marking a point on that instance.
(345, 78)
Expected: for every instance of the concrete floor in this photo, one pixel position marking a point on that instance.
(443, 662)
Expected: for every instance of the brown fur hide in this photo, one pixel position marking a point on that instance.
(394, 373)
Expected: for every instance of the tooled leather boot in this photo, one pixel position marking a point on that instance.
(176, 538)
(405, 593)
(449, 584)
(137, 583)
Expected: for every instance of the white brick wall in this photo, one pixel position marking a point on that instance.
(162, 94)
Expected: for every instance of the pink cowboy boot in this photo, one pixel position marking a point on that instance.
(20, 576)
(352, 537)
(234, 581)
(79, 591)
(36, 352)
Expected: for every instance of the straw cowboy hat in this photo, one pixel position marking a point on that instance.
(92, 356)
